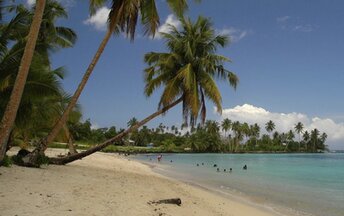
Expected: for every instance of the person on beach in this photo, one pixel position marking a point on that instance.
(159, 158)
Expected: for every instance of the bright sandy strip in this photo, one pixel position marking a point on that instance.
(106, 184)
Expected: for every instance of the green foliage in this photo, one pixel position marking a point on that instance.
(7, 161)
(43, 98)
(42, 160)
(189, 69)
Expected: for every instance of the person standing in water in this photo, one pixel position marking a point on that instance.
(159, 157)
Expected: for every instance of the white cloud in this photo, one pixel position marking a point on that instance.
(288, 23)
(30, 3)
(99, 19)
(94, 126)
(286, 121)
(164, 28)
(66, 3)
(234, 33)
(303, 28)
(283, 19)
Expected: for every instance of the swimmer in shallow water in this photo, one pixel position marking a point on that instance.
(245, 167)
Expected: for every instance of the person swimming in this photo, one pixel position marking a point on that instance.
(245, 167)
(224, 170)
(197, 164)
(215, 165)
(230, 169)
(202, 164)
(218, 169)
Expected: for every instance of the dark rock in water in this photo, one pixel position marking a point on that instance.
(22, 153)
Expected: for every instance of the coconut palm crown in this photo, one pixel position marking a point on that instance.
(189, 69)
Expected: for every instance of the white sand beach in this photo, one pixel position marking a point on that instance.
(107, 184)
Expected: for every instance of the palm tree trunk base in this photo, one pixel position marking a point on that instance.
(31, 160)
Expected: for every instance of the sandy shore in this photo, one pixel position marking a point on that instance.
(107, 184)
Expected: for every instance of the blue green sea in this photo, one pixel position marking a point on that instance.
(301, 184)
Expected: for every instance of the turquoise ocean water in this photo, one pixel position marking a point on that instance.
(304, 184)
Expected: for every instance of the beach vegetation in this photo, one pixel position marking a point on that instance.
(43, 98)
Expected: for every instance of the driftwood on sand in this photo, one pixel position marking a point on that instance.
(175, 201)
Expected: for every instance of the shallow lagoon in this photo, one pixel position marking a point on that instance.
(303, 183)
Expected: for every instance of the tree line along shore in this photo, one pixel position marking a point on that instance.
(216, 137)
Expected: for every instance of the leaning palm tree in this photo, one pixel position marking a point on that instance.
(10, 113)
(123, 17)
(186, 72)
(299, 129)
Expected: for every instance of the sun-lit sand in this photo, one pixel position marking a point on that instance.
(107, 184)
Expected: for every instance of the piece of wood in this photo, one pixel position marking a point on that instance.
(175, 201)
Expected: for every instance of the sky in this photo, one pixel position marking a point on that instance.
(286, 53)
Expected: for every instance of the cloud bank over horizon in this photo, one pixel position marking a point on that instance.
(286, 121)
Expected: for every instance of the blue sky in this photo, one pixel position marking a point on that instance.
(287, 54)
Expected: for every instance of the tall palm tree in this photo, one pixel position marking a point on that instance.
(226, 125)
(123, 17)
(10, 113)
(323, 138)
(186, 72)
(212, 126)
(314, 138)
(290, 137)
(132, 122)
(255, 132)
(237, 129)
(306, 137)
(270, 126)
(299, 129)
(42, 83)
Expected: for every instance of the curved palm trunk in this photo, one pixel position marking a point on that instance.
(71, 158)
(63, 119)
(10, 113)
